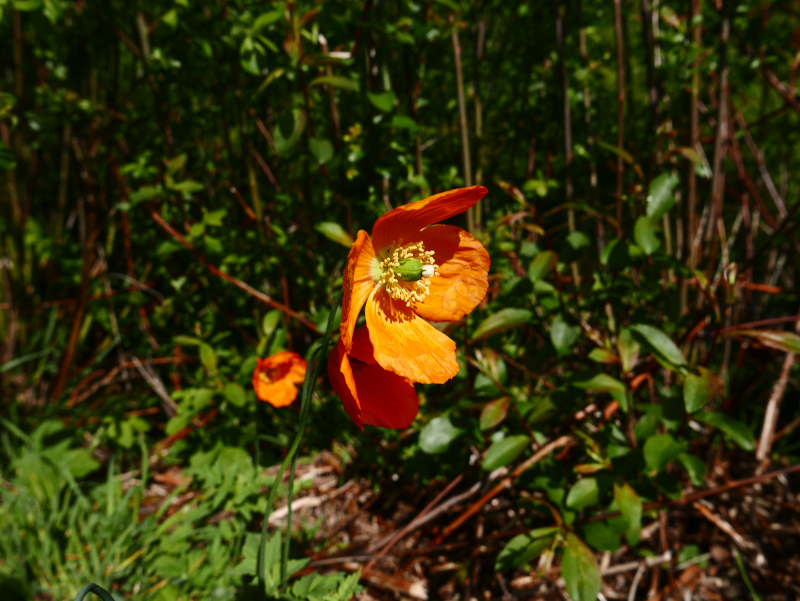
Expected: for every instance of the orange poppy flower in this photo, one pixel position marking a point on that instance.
(370, 394)
(405, 273)
(275, 378)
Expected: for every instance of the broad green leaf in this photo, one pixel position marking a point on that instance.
(630, 506)
(660, 197)
(145, 193)
(270, 322)
(580, 570)
(694, 466)
(542, 265)
(564, 335)
(504, 452)
(659, 450)
(493, 413)
(603, 355)
(171, 18)
(336, 81)
(628, 349)
(661, 344)
(600, 536)
(601, 383)
(208, 357)
(235, 394)
(503, 320)
(698, 390)
(266, 19)
(583, 494)
(616, 254)
(186, 340)
(524, 548)
(383, 102)
(188, 186)
(334, 231)
(739, 432)
(403, 122)
(322, 150)
(437, 435)
(81, 463)
(788, 342)
(645, 234)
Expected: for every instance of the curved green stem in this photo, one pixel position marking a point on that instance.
(305, 402)
(96, 589)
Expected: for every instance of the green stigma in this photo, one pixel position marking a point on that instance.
(409, 270)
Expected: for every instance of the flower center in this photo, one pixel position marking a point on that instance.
(406, 272)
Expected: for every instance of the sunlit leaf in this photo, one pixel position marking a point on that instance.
(503, 320)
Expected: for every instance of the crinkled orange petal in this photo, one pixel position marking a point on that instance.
(341, 376)
(463, 270)
(288, 364)
(362, 347)
(278, 394)
(404, 222)
(357, 284)
(370, 394)
(406, 344)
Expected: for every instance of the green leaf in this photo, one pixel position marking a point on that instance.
(383, 102)
(171, 18)
(698, 390)
(266, 19)
(661, 345)
(694, 466)
(563, 335)
(188, 186)
(628, 349)
(81, 463)
(659, 450)
(403, 122)
(437, 435)
(145, 193)
(542, 264)
(493, 413)
(601, 383)
(600, 536)
(334, 231)
(208, 357)
(602, 355)
(336, 81)
(630, 506)
(26, 5)
(660, 197)
(504, 452)
(503, 320)
(270, 322)
(580, 570)
(322, 150)
(584, 494)
(739, 432)
(644, 233)
(788, 342)
(235, 394)
(524, 548)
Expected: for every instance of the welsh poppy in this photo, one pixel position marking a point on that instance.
(370, 394)
(275, 378)
(408, 272)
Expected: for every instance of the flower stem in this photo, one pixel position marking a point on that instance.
(305, 401)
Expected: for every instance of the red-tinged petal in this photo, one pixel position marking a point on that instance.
(387, 400)
(406, 344)
(362, 347)
(357, 283)
(463, 269)
(341, 376)
(275, 378)
(277, 394)
(404, 222)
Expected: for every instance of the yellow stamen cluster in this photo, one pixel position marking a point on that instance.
(264, 377)
(408, 292)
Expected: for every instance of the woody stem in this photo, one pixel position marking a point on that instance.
(305, 405)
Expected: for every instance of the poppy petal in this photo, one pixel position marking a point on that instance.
(278, 394)
(406, 344)
(370, 394)
(362, 347)
(463, 269)
(405, 221)
(341, 376)
(358, 282)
